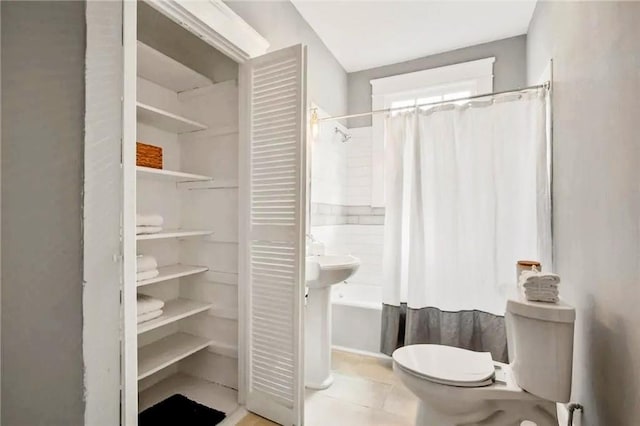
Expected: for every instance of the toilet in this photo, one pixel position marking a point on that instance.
(460, 387)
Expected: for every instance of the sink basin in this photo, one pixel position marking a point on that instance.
(326, 270)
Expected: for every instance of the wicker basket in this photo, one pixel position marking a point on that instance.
(148, 155)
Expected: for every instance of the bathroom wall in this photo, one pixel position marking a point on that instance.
(509, 71)
(43, 71)
(328, 177)
(281, 24)
(595, 48)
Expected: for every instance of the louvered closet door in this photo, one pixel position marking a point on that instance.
(274, 247)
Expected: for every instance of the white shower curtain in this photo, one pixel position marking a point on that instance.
(467, 195)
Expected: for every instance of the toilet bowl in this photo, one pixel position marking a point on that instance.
(460, 387)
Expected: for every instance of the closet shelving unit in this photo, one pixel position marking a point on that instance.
(192, 347)
(231, 119)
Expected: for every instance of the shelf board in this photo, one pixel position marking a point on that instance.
(166, 120)
(174, 310)
(173, 233)
(169, 350)
(210, 184)
(159, 68)
(207, 393)
(172, 272)
(180, 177)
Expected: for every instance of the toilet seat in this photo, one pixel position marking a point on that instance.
(447, 365)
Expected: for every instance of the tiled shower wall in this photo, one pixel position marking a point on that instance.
(341, 213)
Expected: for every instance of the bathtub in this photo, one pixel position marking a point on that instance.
(356, 316)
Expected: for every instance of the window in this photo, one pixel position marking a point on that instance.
(417, 88)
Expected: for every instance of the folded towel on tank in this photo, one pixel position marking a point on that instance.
(147, 275)
(146, 263)
(148, 229)
(149, 316)
(148, 304)
(539, 278)
(542, 298)
(149, 220)
(539, 286)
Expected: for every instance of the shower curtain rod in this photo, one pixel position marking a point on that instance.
(545, 85)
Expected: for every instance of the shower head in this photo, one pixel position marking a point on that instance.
(345, 136)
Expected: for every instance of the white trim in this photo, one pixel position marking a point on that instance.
(473, 70)
(215, 23)
(244, 194)
(376, 355)
(129, 308)
(563, 414)
(235, 417)
(475, 76)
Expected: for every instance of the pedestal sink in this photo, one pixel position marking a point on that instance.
(323, 271)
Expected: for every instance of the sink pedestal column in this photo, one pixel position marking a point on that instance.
(317, 322)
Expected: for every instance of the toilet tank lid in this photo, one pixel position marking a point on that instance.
(553, 312)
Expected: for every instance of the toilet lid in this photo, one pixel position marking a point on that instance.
(447, 365)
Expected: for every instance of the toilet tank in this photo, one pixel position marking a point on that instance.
(540, 339)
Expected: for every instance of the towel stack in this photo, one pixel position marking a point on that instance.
(148, 224)
(146, 268)
(148, 308)
(539, 286)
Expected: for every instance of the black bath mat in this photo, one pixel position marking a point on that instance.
(178, 410)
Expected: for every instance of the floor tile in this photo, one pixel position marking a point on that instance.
(253, 420)
(401, 401)
(376, 369)
(323, 410)
(357, 390)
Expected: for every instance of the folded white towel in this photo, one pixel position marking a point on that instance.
(149, 220)
(540, 298)
(539, 285)
(547, 294)
(148, 229)
(552, 293)
(148, 304)
(146, 263)
(540, 278)
(147, 275)
(149, 316)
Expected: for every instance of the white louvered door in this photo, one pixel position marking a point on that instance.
(273, 169)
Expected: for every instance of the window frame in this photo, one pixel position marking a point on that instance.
(473, 76)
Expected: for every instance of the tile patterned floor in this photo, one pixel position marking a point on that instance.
(365, 392)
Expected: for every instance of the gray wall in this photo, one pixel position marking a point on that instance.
(509, 71)
(281, 24)
(42, 138)
(596, 51)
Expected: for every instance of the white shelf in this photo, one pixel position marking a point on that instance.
(172, 272)
(174, 310)
(210, 184)
(166, 120)
(155, 66)
(173, 233)
(169, 350)
(210, 394)
(171, 175)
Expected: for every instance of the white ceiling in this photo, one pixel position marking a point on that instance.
(368, 34)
